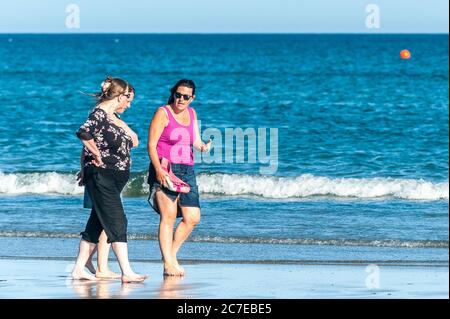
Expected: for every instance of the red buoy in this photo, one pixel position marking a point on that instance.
(405, 54)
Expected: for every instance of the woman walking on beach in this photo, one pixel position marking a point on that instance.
(172, 134)
(103, 247)
(107, 143)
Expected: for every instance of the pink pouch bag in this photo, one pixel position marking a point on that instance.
(174, 183)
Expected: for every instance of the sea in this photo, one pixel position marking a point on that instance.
(327, 148)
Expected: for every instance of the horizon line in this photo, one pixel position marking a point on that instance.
(225, 33)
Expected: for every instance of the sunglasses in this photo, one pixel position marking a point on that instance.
(178, 95)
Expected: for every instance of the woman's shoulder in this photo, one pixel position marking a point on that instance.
(98, 110)
(162, 114)
(162, 110)
(97, 113)
(193, 111)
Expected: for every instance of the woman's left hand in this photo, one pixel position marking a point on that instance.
(206, 147)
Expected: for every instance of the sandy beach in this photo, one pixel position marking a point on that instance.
(49, 279)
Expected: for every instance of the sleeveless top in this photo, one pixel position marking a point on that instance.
(176, 140)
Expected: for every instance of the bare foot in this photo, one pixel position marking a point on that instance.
(82, 275)
(180, 269)
(177, 266)
(91, 267)
(133, 278)
(172, 270)
(108, 274)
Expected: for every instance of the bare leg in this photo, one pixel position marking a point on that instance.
(103, 270)
(89, 263)
(191, 217)
(128, 275)
(85, 250)
(168, 216)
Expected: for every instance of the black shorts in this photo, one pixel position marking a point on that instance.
(184, 172)
(104, 187)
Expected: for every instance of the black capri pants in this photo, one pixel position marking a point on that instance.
(104, 187)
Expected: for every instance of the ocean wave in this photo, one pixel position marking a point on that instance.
(39, 183)
(256, 240)
(308, 185)
(221, 184)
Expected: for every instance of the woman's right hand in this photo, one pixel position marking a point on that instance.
(161, 176)
(97, 161)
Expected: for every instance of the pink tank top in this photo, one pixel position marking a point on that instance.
(176, 140)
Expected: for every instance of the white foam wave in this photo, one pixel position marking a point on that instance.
(39, 183)
(308, 185)
(271, 187)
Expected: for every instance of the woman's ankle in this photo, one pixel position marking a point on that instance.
(102, 269)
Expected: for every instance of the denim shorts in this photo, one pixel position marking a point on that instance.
(184, 172)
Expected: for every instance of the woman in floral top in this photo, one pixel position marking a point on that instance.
(112, 140)
(107, 144)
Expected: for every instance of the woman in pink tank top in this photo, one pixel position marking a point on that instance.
(173, 133)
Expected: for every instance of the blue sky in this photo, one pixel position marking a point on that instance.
(225, 16)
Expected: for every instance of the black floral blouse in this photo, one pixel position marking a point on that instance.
(112, 141)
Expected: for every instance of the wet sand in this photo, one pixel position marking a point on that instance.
(50, 279)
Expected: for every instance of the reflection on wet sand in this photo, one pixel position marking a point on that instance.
(102, 289)
(171, 288)
(84, 289)
(127, 288)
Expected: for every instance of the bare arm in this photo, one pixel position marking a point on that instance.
(198, 143)
(90, 145)
(157, 125)
(86, 134)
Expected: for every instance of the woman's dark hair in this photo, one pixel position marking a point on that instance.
(112, 88)
(184, 82)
